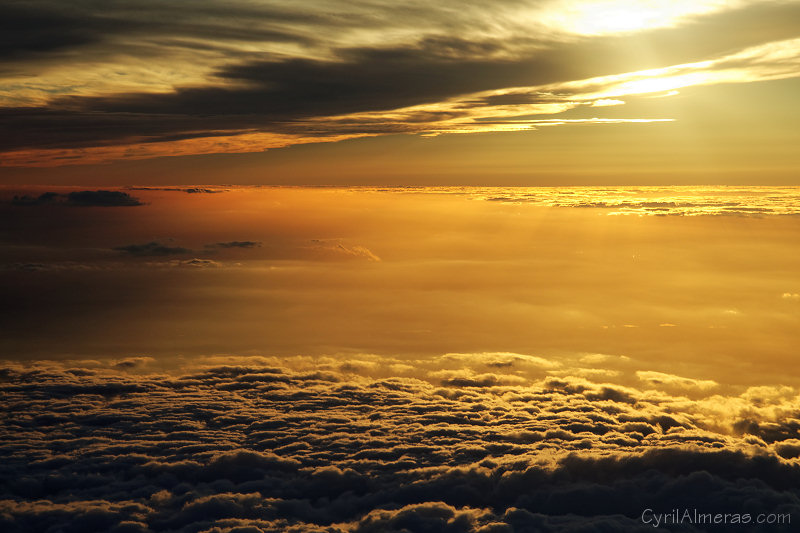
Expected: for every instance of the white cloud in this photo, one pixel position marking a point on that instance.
(671, 380)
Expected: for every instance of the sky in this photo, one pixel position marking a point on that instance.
(270, 359)
(518, 92)
(684, 281)
(365, 266)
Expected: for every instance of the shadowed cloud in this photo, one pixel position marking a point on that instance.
(293, 444)
(79, 198)
(153, 248)
(278, 94)
(235, 244)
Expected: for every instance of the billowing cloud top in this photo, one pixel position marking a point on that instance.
(301, 444)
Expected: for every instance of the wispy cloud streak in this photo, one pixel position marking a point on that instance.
(299, 74)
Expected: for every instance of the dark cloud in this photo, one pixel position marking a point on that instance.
(153, 248)
(54, 127)
(133, 362)
(275, 93)
(101, 198)
(196, 263)
(42, 199)
(235, 244)
(271, 448)
(98, 198)
(34, 28)
(194, 190)
(40, 28)
(49, 267)
(518, 98)
(30, 267)
(190, 190)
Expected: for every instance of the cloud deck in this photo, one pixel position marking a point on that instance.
(87, 447)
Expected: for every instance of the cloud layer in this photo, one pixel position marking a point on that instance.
(304, 444)
(197, 80)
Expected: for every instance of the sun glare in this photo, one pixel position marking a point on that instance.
(616, 16)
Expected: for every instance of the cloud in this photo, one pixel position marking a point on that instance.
(197, 190)
(44, 198)
(605, 102)
(98, 198)
(197, 263)
(235, 244)
(190, 190)
(500, 360)
(51, 267)
(33, 28)
(335, 249)
(657, 201)
(39, 28)
(455, 378)
(598, 358)
(153, 248)
(133, 362)
(281, 444)
(319, 77)
(671, 380)
(101, 198)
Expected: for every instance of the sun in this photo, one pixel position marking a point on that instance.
(623, 16)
